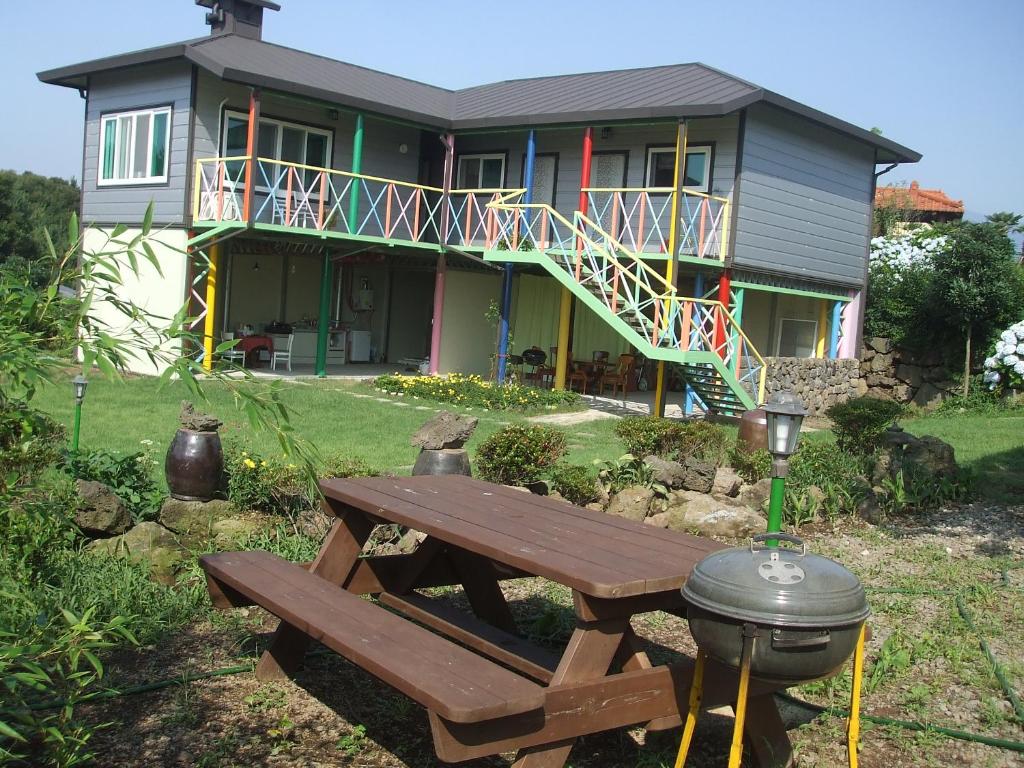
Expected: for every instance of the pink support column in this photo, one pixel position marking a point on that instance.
(851, 324)
(435, 330)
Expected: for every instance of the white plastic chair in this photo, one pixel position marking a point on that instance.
(285, 356)
(235, 354)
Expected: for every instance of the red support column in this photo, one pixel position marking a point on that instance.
(250, 150)
(723, 298)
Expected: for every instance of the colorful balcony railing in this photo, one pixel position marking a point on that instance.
(641, 219)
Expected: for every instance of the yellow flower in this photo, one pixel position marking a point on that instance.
(250, 463)
(263, 463)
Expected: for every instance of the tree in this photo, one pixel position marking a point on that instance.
(976, 287)
(1006, 221)
(30, 206)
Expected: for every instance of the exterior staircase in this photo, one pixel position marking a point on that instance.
(698, 336)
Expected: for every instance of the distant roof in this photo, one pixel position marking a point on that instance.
(673, 91)
(916, 199)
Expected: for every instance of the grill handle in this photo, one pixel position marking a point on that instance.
(783, 638)
(788, 537)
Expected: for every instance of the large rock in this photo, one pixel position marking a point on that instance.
(910, 374)
(757, 494)
(194, 518)
(671, 474)
(710, 516)
(698, 475)
(230, 531)
(931, 455)
(100, 511)
(928, 395)
(445, 430)
(727, 482)
(879, 344)
(631, 503)
(148, 543)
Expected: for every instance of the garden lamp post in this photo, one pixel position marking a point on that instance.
(79, 383)
(784, 413)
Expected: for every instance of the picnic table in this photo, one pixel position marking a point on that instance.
(486, 689)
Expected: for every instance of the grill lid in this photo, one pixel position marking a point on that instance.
(777, 586)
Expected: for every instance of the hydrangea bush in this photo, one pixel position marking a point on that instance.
(1005, 369)
(912, 250)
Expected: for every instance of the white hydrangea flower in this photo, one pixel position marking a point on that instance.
(1009, 337)
(1010, 360)
(1020, 348)
(991, 362)
(992, 377)
(1018, 368)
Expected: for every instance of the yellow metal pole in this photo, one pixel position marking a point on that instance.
(211, 307)
(819, 347)
(853, 726)
(696, 697)
(679, 180)
(564, 320)
(736, 750)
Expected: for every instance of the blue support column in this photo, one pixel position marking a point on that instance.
(506, 288)
(837, 320)
(691, 396)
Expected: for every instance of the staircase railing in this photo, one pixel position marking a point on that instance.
(630, 289)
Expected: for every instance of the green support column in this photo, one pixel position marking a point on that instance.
(324, 323)
(357, 167)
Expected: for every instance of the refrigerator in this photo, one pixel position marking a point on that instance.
(358, 346)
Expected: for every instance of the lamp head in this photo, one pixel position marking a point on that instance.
(79, 383)
(784, 413)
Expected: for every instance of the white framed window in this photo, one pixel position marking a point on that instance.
(661, 167)
(134, 147)
(796, 338)
(276, 140)
(482, 171)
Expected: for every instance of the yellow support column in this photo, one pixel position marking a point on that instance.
(211, 307)
(661, 384)
(820, 346)
(564, 321)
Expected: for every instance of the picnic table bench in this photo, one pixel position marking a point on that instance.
(487, 690)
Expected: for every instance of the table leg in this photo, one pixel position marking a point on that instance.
(336, 560)
(480, 582)
(589, 655)
(766, 733)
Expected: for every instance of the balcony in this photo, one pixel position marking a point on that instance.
(294, 198)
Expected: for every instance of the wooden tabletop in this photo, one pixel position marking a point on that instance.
(592, 552)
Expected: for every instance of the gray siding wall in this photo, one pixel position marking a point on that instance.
(381, 140)
(804, 199)
(146, 86)
(568, 143)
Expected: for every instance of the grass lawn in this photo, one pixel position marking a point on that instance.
(338, 417)
(991, 444)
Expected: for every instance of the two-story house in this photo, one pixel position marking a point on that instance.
(679, 213)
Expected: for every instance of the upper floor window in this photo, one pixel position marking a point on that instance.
(134, 147)
(485, 171)
(661, 167)
(277, 140)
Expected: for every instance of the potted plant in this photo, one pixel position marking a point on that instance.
(195, 460)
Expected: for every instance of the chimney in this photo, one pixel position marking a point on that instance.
(237, 17)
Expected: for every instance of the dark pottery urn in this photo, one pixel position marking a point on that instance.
(194, 465)
(444, 461)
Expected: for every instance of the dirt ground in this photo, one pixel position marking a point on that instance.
(924, 664)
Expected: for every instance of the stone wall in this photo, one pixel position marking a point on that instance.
(818, 382)
(904, 376)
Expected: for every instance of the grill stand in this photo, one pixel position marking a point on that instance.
(736, 749)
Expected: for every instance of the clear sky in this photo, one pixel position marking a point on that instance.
(945, 77)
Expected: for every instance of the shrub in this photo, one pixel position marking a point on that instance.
(750, 465)
(473, 391)
(1005, 368)
(647, 435)
(276, 486)
(575, 482)
(837, 476)
(129, 476)
(625, 472)
(29, 441)
(860, 423)
(519, 454)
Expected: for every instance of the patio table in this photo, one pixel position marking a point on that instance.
(251, 345)
(493, 691)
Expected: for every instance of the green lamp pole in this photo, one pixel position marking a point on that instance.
(79, 383)
(784, 413)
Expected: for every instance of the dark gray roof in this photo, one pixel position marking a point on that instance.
(675, 91)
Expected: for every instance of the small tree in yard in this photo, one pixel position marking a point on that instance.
(976, 287)
(1007, 221)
